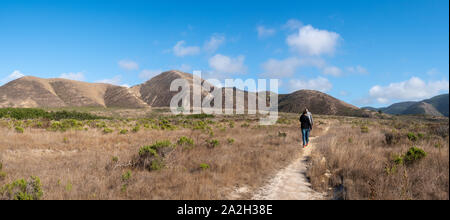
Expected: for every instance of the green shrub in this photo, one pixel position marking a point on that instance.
(22, 189)
(19, 130)
(164, 124)
(151, 157)
(107, 130)
(204, 166)
(123, 131)
(185, 141)
(136, 129)
(420, 135)
(126, 176)
(364, 129)
(282, 134)
(230, 140)
(68, 186)
(414, 154)
(213, 143)
(412, 137)
(245, 125)
(115, 159)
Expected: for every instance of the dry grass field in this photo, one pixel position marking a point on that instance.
(403, 158)
(153, 155)
(219, 158)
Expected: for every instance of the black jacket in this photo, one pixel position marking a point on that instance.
(305, 122)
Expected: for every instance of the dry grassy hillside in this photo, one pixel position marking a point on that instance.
(317, 102)
(36, 92)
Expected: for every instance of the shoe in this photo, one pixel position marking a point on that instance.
(307, 144)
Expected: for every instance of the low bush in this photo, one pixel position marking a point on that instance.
(19, 129)
(414, 154)
(107, 130)
(412, 137)
(364, 129)
(204, 166)
(22, 190)
(152, 157)
(185, 141)
(212, 143)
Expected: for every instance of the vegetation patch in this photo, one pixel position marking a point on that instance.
(34, 113)
(22, 189)
(200, 116)
(151, 157)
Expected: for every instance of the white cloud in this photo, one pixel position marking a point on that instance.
(293, 24)
(116, 80)
(287, 67)
(13, 76)
(343, 93)
(411, 90)
(319, 84)
(281, 68)
(148, 74)
(313, 42)
(265, 32)
(358, 69)
(332, 70)
(79, 76)
(214, 43)
(128, 65)
(433, 71)
(225, 64)
(180, 50)
(185, 68)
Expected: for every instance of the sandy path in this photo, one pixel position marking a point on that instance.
(291, 183)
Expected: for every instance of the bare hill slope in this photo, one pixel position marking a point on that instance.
(37, 92)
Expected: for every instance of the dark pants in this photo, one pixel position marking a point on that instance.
(305, 135)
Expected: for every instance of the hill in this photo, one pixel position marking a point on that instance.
(318, 103)
(436, 106)
(31, 91)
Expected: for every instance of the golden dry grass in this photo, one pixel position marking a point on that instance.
(351, 164)
(78, 164)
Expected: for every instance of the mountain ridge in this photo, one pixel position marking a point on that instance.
(435, 106)
(30, 91)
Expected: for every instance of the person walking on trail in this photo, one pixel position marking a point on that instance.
(307, 123)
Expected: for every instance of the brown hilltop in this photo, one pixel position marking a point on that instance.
(318, 103)
(156, 91)
(37, 92)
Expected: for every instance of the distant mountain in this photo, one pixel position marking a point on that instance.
(31, 91)
(441, 103)
(436, 106)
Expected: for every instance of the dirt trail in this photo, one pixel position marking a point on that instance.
(291, 183)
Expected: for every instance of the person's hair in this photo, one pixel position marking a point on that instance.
(305, 111)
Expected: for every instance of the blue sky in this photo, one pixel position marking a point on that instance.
(363, 52)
